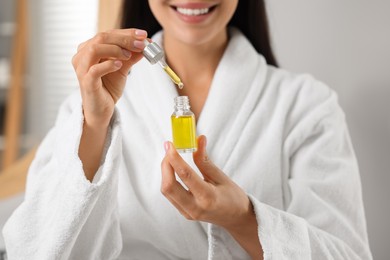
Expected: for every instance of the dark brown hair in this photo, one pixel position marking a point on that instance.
(250, 17)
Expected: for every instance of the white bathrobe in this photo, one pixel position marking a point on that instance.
(282, 137)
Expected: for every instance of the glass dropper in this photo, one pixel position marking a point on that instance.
(155, 54)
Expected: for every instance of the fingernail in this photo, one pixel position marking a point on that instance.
(118, 63)
(139, 44)
(141, 33)
(126, 53)
(166, 146)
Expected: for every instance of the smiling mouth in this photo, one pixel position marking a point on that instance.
(193, 11)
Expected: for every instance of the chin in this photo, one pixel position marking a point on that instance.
(195, 36)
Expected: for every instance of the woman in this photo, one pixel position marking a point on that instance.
(279, 179)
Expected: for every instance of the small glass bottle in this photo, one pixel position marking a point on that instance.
(183, 126)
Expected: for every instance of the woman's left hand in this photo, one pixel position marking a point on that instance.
(215, 198)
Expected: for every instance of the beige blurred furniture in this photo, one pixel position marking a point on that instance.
(13, 179)
(109, 14)
(14, 104)
(13, 176)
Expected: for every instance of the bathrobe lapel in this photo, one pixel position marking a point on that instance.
(234, 93)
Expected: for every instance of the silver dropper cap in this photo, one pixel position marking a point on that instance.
(153, 52)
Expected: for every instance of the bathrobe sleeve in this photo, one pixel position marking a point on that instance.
(323, 216)
(64, 216)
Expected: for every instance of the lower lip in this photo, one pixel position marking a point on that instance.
(194, 19)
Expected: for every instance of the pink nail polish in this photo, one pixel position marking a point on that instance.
(139, 45)
(118, 63)
(166, 146)
(140, 33)
(126, 53)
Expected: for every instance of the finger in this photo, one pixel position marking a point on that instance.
(99, 70)
(133, 31)
(173, 190)
(95, 53)
(122, 37)
(129, 63)
(189, 177)
(179, 208)
(82, 45)
(131, 40)
(210, 172)
(170, 186)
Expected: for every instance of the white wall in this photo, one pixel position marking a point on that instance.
(57, 27)
(346, 44)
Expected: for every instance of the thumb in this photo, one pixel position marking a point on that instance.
(135, 57)
(210, 172)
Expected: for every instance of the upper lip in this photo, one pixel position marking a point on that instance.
(194, 5)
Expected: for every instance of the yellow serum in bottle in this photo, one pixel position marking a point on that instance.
(183, 126)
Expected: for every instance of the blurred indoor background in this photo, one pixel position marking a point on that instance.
(345, 44)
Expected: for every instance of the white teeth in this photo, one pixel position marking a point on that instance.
(192, 12)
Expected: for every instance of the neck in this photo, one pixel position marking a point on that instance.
(195, 64)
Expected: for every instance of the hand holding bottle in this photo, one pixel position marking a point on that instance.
(102, 65)
(215, 198)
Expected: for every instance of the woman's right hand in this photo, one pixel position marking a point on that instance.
(102, 65)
